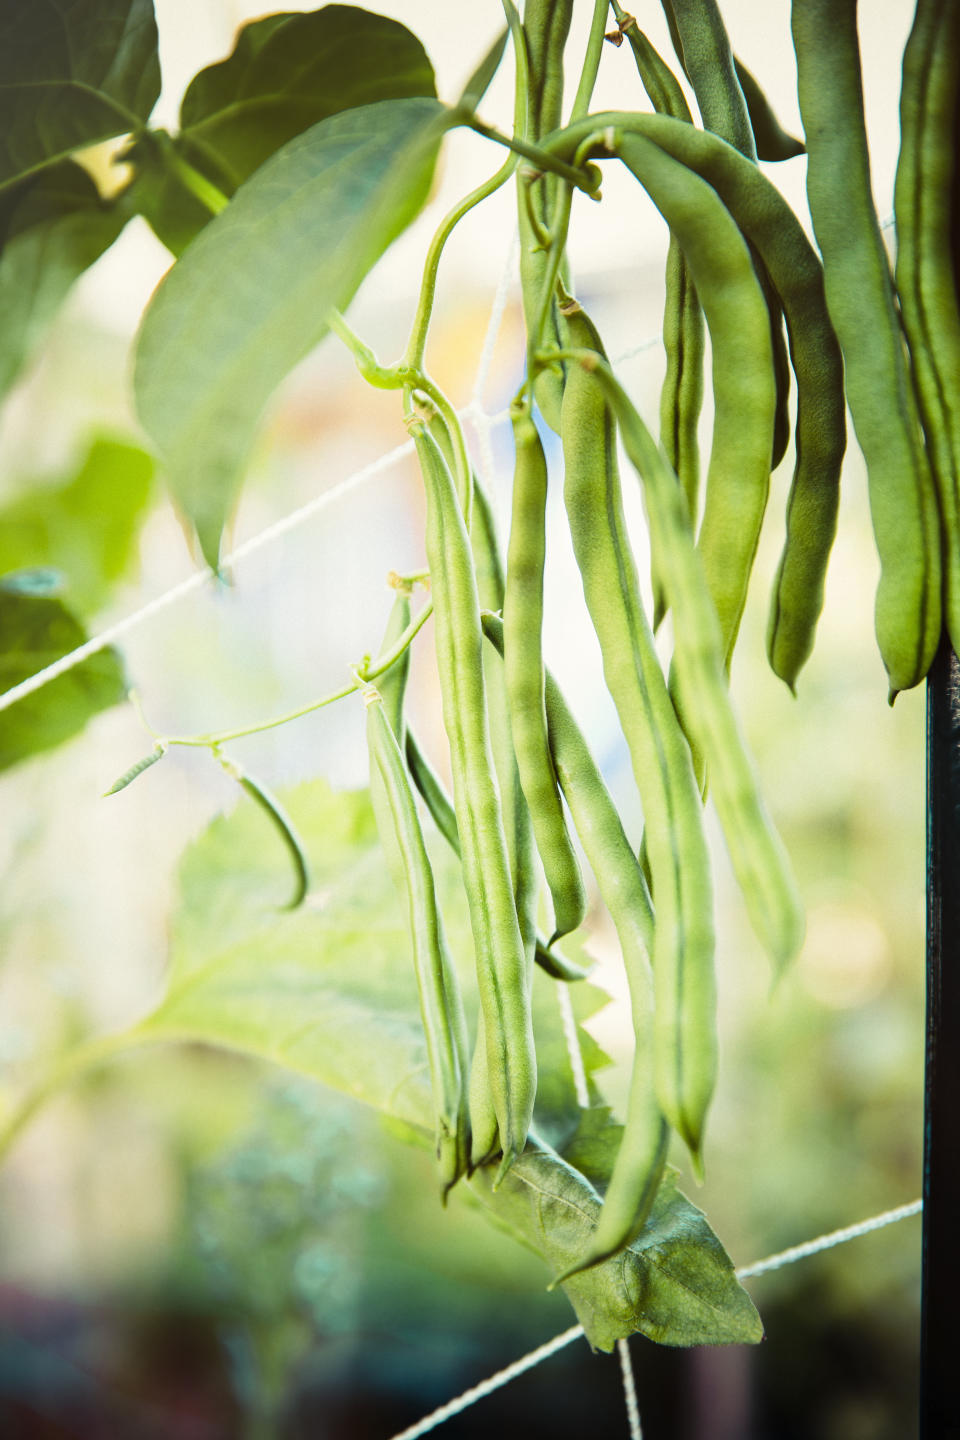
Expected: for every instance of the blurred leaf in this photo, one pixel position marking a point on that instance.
(251, 296)
(72, 75)
(36, 629)
(479, 82)
(287, 72)
(87, 526)
(52, 227)
(329, 991)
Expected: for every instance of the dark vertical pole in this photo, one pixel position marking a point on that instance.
(939, 1367)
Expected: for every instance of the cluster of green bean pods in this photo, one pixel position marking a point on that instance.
(528, 802)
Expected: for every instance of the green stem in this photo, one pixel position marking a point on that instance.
(72, 1067)
(364, 674)
(586, 180)
(463, 473)
(383, 377)
(413, 356)
(202, 189)
(591, 60)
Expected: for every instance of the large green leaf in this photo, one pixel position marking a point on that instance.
(71, 75)
(86, 526)
(329, 991)
(36, 628)
(52, 227)
(251, 296)
(288, 72)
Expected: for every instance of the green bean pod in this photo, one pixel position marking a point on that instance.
(705, 54)
(441, 1008)
(275, 812)
(758, 857)
(438, 803)
(738, 478)
(681, 397)
(684, 1040)
(640, 1160)
(926, 173)
(863, 309)
(546, 24)
(523, 671)
(775, 233)
(502, 971)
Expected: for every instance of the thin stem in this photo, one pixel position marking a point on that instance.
(202, 189)
(413, 356)
(463, 474)
(586, 180)
(364, 674)
(383, 377)
(591, 60)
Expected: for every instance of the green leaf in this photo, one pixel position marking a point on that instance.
(288, 72)
(329, 991)
(251, 296)
(52, 227)
(86, 527)
(36, 628)
(72, 75)
(158, 192)
(479, 82)
(675, 1284)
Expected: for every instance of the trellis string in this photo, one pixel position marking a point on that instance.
(629, 1390)
(543, 1352)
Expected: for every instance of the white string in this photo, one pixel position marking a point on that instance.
(827, 1242)
(629, 1391)
(486, 1387)
(573, 1046)
(497, 311)
(772, 1262)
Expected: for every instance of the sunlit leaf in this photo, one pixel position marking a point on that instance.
(86, 527)
(36, 628)
(71, 75)
(251, 295)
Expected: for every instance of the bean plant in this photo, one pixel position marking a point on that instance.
(298, 160)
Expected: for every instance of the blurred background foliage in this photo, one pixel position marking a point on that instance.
(199, 1246)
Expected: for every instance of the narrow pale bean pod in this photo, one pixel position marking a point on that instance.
(681, 397)
(441, 1008)
(438, 803)
(863, 309)
(775, 233)
(926, 173)
(638, 1167)
(738, 478)
(502, 972)
(684, 985)
(523, 671)
(546, 24)
(758, 857)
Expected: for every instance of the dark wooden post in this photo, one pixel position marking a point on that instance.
(939, 1367)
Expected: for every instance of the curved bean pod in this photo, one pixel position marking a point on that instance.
(863, 309)
(523, 672)
(502, 972)
(758, 857)
(775, 233)
(684, 1041)
(441, 1008)
(924, 268)
(638, 1167)
(738, 478)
